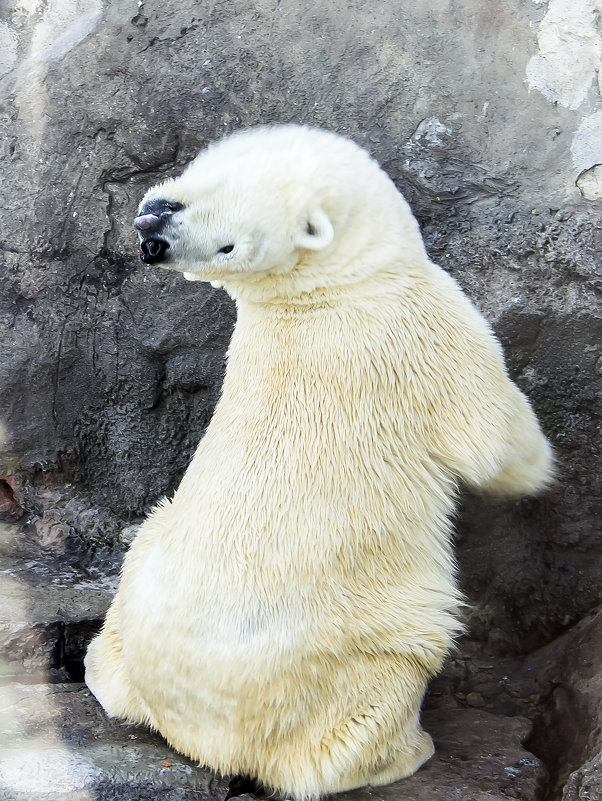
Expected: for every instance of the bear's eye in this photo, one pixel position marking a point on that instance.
(226, 249)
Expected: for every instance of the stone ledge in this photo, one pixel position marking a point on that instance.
(60, 746)
(49, 609)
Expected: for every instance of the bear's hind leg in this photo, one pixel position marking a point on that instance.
(414, 751)
(383, 742)
(381, 761)
(106, 675)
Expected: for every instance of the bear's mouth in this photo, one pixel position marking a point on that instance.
(153, 250)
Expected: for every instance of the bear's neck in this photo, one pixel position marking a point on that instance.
(270, 301)
(308, 335)
(369, 276)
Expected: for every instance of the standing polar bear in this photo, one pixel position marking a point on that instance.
(282, 614)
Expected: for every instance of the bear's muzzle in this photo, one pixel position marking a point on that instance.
(153, 216)
(152, 247)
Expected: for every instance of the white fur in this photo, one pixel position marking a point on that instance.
(282, 615)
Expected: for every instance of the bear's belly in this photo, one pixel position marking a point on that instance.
(219, 644)
(241, 603)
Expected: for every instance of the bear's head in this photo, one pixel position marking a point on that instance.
(281, 210)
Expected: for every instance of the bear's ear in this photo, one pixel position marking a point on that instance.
(316, 231)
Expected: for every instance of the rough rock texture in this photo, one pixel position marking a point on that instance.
(63, 748)
(49, 609)
(570, 731)
(585, 783)
(479, 757)
(488, 119)
(110, 371)
(559, 686)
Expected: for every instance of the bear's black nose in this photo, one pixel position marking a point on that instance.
(153, 250)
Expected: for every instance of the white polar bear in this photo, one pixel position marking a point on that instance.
(281, 616)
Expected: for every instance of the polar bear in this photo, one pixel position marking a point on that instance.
(281, 615)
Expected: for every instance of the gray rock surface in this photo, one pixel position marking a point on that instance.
(58, 745)
(110, 371)
(479, 757)
(61, 747)
(585, 783)
(486, 116)
(49, 608)
(570, 731)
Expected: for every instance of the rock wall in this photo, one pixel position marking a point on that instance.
(488, 119)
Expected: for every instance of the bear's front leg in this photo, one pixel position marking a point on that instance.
(529, 463)
(106, 675)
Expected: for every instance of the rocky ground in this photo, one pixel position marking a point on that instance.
(63, 748)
